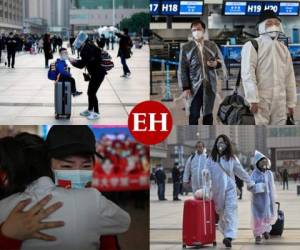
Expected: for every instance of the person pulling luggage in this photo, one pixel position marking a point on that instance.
(263, 198)
(91, 60)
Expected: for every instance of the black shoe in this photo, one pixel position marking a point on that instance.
(266, 235)
(176, 199)
(227, 242)
(77, 93)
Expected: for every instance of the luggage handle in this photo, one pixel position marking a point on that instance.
(278, 203)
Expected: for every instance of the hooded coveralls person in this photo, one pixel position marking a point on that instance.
(197, 76)
(223, 185)
(194, 166)
(263, 204)
(268, 75)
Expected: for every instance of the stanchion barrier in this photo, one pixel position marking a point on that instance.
(166, 64)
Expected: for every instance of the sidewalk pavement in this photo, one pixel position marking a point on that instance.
(166, 222)
(27, 96)
(176, 106)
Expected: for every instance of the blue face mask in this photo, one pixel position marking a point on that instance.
(76, 179)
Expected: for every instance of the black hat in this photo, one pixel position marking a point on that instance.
(70, 140)
(267, 14)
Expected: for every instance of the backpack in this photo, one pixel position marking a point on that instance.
(52, 72)
(234, 109)
(106, 61)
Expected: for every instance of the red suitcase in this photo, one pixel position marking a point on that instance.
(198, 223)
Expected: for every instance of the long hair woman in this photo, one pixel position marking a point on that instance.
(223, 166)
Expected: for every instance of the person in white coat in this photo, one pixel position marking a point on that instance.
(86, 213)
(194, 166)
(223, 165)
(263, 199)
(268, 74)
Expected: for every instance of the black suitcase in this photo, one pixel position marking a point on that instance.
(277, 228)
(63, 100)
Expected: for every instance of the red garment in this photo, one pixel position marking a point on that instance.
(109, 242)
(9, 243)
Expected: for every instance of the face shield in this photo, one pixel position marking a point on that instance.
(80, 40)
(271, 27)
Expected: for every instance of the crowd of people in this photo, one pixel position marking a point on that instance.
(123, 156)
(91, 56)
(227, 178)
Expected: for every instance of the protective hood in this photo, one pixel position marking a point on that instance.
(258, 156)
(262, 28)
(80, 40)
(267, 14)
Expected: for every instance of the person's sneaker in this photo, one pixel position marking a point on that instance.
(85, 113)
(128, 74)
(258, 240)
(227, 242)
(93, 116)
(77, 93)
(123, 76)
(266, 235)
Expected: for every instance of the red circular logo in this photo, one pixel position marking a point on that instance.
(150, 122)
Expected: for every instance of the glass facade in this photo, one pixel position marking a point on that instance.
(108, 4)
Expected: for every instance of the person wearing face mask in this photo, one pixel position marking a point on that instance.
(85, 212)
(263, 198)
(91, 60)
(223, 165)
(194, 166)
(197, 76)
(268, 74)
(63, 71)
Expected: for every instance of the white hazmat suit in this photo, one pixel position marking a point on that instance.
(268, 78)
(224, 192)
(193, 170)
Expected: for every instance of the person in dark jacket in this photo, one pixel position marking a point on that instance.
(72, 40)
(59, 42)
(2, 44)
(54, 43)
(125, 45)
(47, 49)
(176, 182)
(285, 179)
(91, 59)
(11, 45)
(112, 40)
(161, 182)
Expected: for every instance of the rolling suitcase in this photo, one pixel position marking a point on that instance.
(277, 228)
(198, 223)
(63, 101)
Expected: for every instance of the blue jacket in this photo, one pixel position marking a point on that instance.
(62, 68)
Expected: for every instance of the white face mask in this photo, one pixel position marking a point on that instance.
(273, 31)
(197, 34)
(77, 179)
(64, 57)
